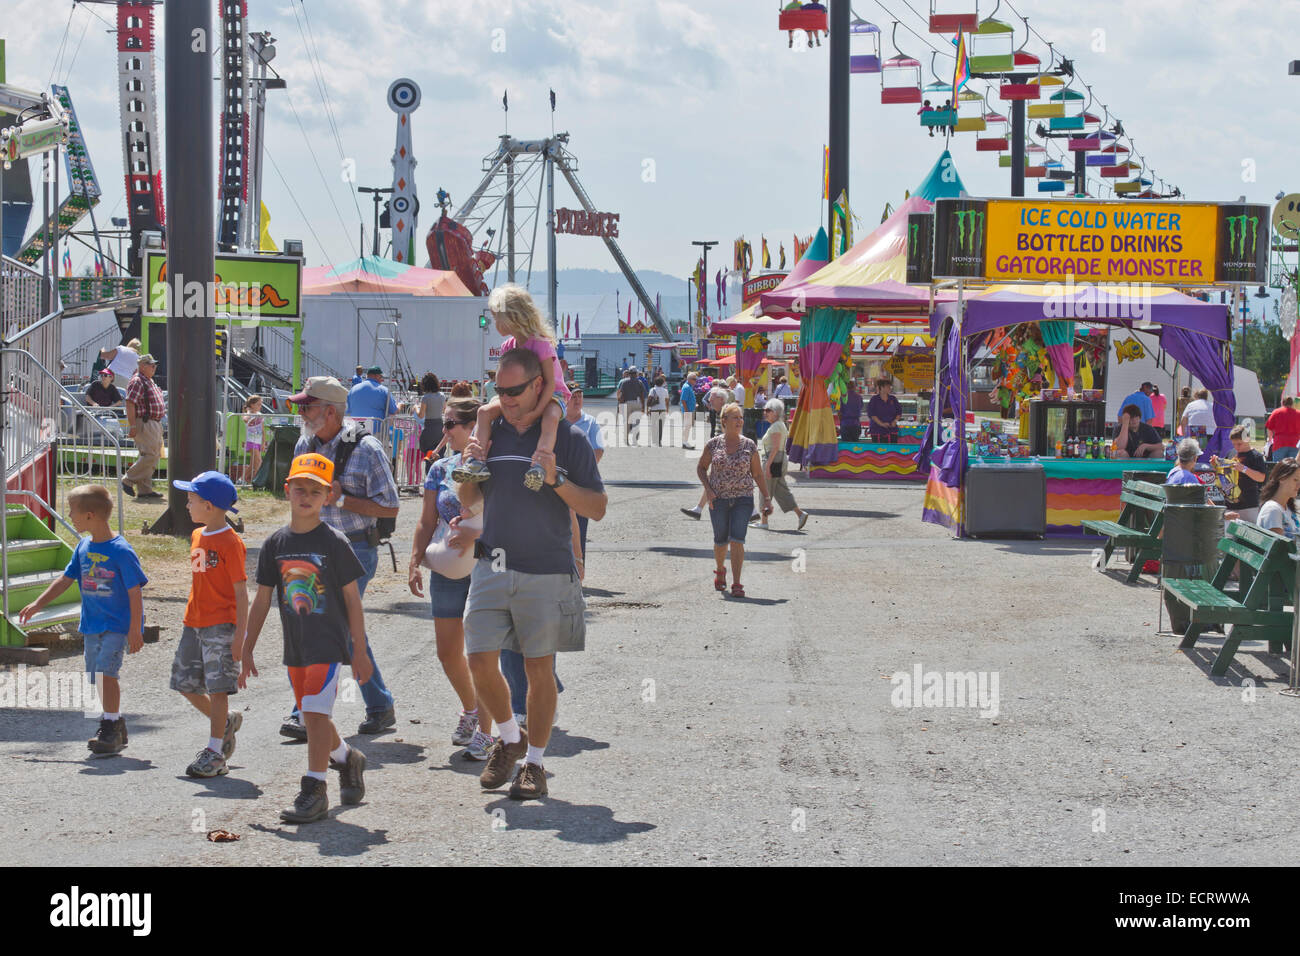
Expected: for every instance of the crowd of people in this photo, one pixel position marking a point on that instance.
(505, 555)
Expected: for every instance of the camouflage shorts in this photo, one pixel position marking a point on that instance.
(203, 663)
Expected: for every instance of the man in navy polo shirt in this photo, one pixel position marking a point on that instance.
(525, 594)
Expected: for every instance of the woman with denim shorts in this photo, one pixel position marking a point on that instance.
(730, 470)
(441, 505)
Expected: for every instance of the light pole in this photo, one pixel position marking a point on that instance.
(706, 246)
(119, 223)
(377, 191)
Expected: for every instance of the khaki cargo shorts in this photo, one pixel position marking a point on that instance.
(536, 615)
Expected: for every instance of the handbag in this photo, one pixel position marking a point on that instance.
(776, 468)
(439, 556)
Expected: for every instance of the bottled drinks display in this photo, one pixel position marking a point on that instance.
(1087, 448)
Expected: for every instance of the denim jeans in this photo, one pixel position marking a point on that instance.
(512, 666)
(375, 694)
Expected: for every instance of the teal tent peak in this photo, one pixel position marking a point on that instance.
(820, 250)
(942, 182)
(374, 265)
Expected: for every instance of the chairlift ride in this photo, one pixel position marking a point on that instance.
(951, 23)
(970, 113)
(870, 35)
(998, 141)
(900, 76)
(808, 16)
(993, 46)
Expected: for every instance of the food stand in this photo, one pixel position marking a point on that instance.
(1127, 239)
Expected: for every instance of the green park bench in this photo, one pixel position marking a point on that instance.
(1140, 523)
(1256, 610)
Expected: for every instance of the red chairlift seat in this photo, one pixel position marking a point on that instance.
(1083, 144)
(950, 23)
(804, 19)
(900, 78)
(998, 142)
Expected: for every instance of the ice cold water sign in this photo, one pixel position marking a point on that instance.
(1179, 244)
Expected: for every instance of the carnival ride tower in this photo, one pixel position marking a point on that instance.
(404, 206)
(138, 102)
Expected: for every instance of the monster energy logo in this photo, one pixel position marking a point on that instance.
(1237, 233)
(976, 228)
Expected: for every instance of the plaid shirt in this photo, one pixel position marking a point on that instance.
(367, 475)
(147, 398)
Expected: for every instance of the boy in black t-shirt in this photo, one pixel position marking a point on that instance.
(313, 572)
(1251, 470)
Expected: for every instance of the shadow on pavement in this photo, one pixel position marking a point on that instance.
(228, 787)
(708, 553)
(562, 744)
(458, 763)
(848, 513)
(333, 835)
(1206, 651)
(600, 592)
(572, 822)
(380, 753)
(114, 765)
(41, 725)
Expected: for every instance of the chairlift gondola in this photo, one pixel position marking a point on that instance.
(997, 142)
(970, 113)
(811, 17)
(1071, 113)
(992, 47)
(900, 76)
(951, 23)
(1051, 186)
(869, 33)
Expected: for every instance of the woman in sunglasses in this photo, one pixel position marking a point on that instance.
(729, 470)
(449, 570)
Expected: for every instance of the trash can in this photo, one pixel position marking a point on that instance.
(1189, 548)
(1008, 500)
(276, 458)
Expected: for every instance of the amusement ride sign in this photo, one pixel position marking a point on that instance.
(756, 286)
(1168, 243)
(265, 286)
(579, 222)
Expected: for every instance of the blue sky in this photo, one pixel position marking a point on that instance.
(705, 94)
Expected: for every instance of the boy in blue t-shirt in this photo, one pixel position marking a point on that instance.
(112, 608)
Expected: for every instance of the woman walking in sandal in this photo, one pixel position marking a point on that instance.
(729, 469)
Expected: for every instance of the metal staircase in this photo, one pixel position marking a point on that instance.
(34, 557)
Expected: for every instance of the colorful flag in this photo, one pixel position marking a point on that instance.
(826, 172)
(577, 329)
(841, 225)
(99, 265)
(767, 256)
(505, 101)
(782, 266)
(961, 69)
(717, 282)
(67, 261)
(552, 101)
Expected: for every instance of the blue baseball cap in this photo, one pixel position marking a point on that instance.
(213, 487)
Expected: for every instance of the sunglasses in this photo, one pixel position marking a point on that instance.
(514, 391)
(448, 423)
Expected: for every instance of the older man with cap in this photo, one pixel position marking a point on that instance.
(363, 492)
(145, 408)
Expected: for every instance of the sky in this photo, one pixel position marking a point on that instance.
(693, 121)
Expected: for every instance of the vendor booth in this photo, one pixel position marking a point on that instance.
(1194, 333)
(863, 292)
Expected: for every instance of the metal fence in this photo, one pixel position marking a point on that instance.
(240, 452)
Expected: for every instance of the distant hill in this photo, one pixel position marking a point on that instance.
(601, 282)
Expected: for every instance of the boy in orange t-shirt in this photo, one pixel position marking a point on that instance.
(216, 616)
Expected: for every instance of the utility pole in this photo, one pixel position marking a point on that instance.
(838, 171)
(191, 204)
(705, 246)
(376, 190)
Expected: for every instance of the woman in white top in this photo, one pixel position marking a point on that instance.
(656, 404)
(1277, 513)
(1199, 412)
(775, 464)
(123, 361)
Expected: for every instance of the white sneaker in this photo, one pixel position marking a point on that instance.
(480, 746)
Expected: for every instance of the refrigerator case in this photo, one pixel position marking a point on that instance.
(1006, 500)
(1052, 422)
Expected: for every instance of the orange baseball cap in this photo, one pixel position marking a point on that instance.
(316, 467)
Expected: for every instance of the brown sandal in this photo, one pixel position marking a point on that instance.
(738, 590)
(720, 579)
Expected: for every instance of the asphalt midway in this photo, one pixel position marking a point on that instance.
(702, 729)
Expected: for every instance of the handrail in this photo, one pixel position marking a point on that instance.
(4, 539)
(98, 424)
(34, 327)
(23, 266)
(47, 506)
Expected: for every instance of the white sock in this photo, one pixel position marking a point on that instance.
(214, 744)
(509, 730)
(534, 755)
(340, 755)
(317, 775)
(108, 716)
